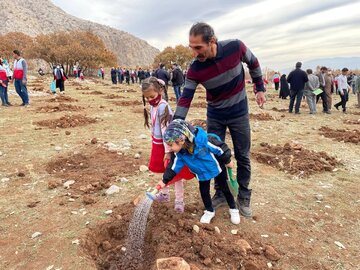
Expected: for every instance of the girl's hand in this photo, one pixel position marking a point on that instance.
(161, 184)
(167, 156)
(230, 165)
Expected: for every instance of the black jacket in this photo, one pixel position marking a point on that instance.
(163, 75)
(297, 79)
(178, 77)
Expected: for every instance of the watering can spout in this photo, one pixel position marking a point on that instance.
(152, 194)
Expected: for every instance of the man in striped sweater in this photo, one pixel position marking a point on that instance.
(218, 67)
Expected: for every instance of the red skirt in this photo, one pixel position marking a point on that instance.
(156, 163)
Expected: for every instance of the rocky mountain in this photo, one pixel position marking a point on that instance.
(42, 17)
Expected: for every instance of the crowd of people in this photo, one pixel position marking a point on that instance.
(300, 84)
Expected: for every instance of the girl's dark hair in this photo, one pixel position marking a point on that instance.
(203, 29)
(153, 82)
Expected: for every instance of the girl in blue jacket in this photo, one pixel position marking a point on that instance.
(206, 156)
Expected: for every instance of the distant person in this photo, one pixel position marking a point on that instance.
(79, 72)
(75, 71)
(119, 74)
(177, 80)
(82, 77)
(147, 73)
(127, 76)
(322, 79)
(276, 80)
(162, 74)
(132, 76)
(4, 81)
(357, 89)
(344, 89)
(312, 84)
(102, 72)
(297, 79)
(113, 75)
(353, 83)
(60, 77)
(20, 77)
(141, 75)
(284, 87)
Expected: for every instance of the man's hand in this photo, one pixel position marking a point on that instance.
(24, 82)
(230, 164)
(260, 99)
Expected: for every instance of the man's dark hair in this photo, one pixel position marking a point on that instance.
(17, 52)
(203, 29)
(345, 70)
(324, 68)
(309, 71)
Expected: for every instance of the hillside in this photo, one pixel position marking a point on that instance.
(43, 17)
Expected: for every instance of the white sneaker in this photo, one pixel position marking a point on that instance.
(207, 217)
(234, 216)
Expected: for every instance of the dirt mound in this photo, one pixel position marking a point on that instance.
(93, 93)
(261, 116)
(112, 96)
(341, 135)
(67, 121)
(93, 169)
(169, 234)
(60, 108)
(128, 91)
(37, 88)
(352, 122)
(83, 88)
(62, 98)
(138, 110)
(127, 103)
(295, 159)
(199, 122)
(279, 110)
(355, 113)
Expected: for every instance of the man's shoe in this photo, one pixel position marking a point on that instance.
(207, 217)
(327, 112)
(244, 207)
(218, 199)
(336, 107)
(234, 216)
(297, 112)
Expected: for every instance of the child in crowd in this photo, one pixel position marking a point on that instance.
(160, 116)
(206, 156)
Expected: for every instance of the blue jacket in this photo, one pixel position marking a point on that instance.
(209, 157)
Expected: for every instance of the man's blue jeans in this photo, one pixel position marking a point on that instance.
(298, 96)
(240, 133)
(177, 90)
(22, 91)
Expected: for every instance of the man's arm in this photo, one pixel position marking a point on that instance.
(187, 96)
(24, 66)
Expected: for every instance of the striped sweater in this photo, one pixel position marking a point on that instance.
(224, 80)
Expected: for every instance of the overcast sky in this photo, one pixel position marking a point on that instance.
(279, 32)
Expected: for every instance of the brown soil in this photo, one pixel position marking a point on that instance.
(352, 122)
(169, 234)
(341, 135)
(356, 113)
(93, 169)
(279, 110)
(295, 159)
(127, 103)
(127, 91)
(199, 122)
(67, 121)
(60, 108)
(93, 93)
(261, 116)
(62, 98)
(199, 104)
(83, 88)
(37, 88)
(112, 96)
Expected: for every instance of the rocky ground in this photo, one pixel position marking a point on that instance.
(71, 167)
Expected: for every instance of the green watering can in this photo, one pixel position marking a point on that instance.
(232, 183)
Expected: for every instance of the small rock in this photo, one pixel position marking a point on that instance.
(319, 197)
(58, 148)
(265, 235)
(335, 169)
(138, 199)
(36, 234)
(137, 156)
(123, 180)
(271, 253)
(71, 200)
(67, 132)
(1, 153)
(75, 242)
(123, 249)
(68, 183)
(88, 200)
(269, 264)
(108, 212)
(328, 206)
(143, 168)
(234, 232)
(74, 212)
(244, 246)
(196, 228)
(172, 263)
(21, 174)
(32, 204)
(143, 136)
(5, 179)
(217, 230)
(207, 262)
(54, 183)
(94, 141)
(127, 131)
(207, 252)
(50, 267)
(251, 266)
(112, 189)
(341, 246)
(87, 222)
(106, 245)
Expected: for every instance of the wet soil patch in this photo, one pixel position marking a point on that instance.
(341, 135)
(170, 234)
(93, 93)
(295, 159)
(60, 108)
(67, 121)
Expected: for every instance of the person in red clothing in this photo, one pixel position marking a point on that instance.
(20, 77)
(276, 80)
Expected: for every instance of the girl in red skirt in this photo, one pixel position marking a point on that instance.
(159, 118)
